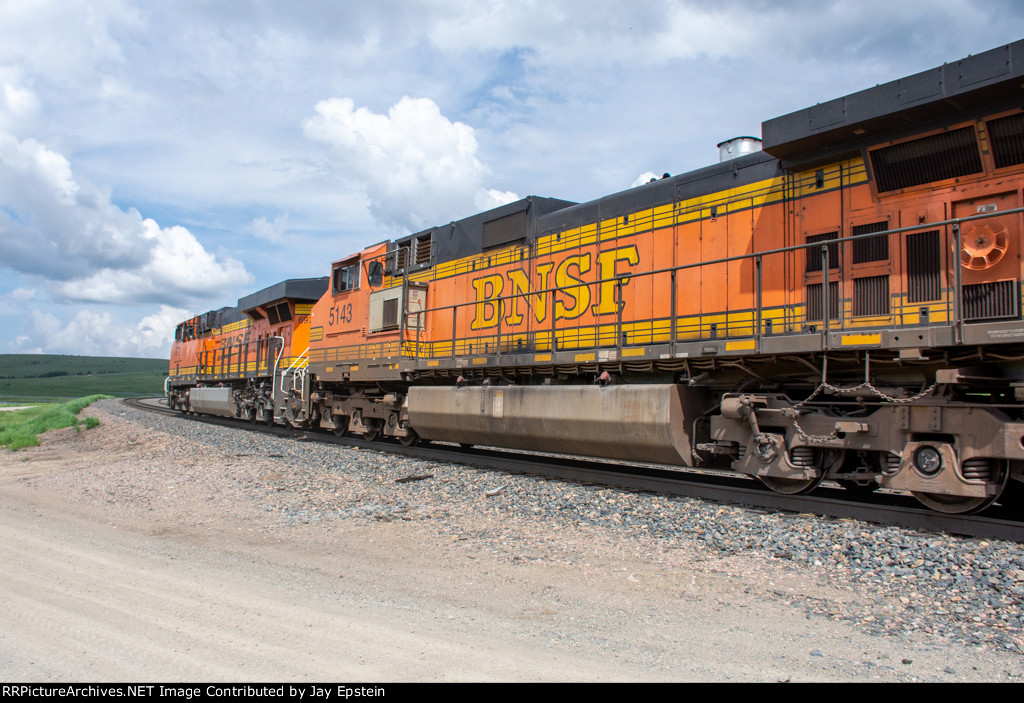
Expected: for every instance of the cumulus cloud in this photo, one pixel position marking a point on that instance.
(179, 270)
(93, 333)
(273, 232)
(66, 229)
(15, 301)
(19, 105)
(418, 167)
(491, 198)
(66, 38)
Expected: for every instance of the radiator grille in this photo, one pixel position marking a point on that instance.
(871, 295)
(870, 248)
(814, 306)
(935, 158)
(1006, 135)
(989, 301)
(402, 257)
(423, 249)
(814, 253)
(924, 275)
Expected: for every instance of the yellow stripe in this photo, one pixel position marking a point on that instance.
(742, 345)
(639, 351)
(234, 326)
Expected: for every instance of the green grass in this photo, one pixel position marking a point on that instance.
(51, 377)
(21, 428)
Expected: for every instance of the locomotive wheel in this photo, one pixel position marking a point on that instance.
(954, 505)
(964, 505)
(268, 419)
(409, 440)
(340, 423)
(371, 435)
(792, 486)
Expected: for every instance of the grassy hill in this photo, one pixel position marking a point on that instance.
(48, 377)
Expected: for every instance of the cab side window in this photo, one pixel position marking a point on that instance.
(345, 278)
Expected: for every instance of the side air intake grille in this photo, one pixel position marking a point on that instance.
(1006, 135)
(870, 248)
(402, 257)
(990, 301)
(423, 249)
(935, 158)
(814, 253)
(924, 276)
(814, 306)
(871, 295)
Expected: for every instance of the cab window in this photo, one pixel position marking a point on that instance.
(345, 278)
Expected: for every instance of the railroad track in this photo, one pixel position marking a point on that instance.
(882, 507)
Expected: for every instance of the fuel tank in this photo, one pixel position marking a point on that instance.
(637, 422)
(213, 401)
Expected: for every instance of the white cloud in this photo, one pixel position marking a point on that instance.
(14, 302)
(23, 345)
(419, 168)
(93, 333)
(491, 198)
(274, 232)
(155, 332)
(65, 39)
(64, 229)
(54, 226)
(179, 270)
(19, 106)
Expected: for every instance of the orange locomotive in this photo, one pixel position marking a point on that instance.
(843, 304)
(240, 361)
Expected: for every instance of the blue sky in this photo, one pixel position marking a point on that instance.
(162, 159)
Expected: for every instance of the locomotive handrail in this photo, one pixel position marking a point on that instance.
(280, 353)
(295, 361)
(757, 257)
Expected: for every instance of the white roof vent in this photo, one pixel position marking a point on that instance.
(738, 146)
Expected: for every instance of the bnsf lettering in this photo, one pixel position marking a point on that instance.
(571, 300)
